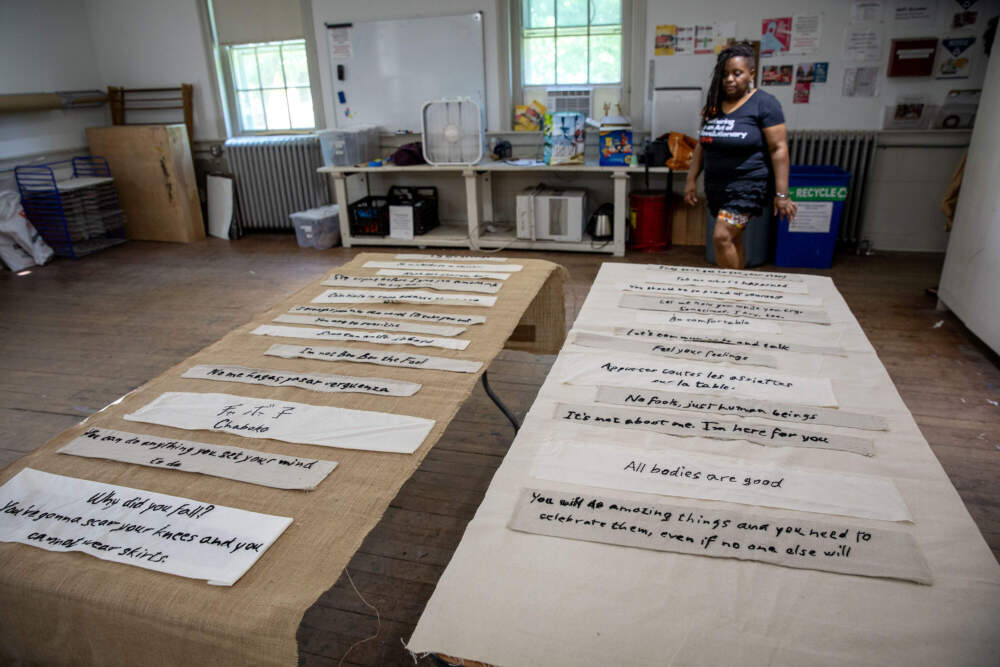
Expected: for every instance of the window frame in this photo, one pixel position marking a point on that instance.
(516, 24)
(231, 92)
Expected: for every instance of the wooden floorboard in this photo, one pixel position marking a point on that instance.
(77, 335)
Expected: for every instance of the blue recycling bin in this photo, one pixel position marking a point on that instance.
(809, 240)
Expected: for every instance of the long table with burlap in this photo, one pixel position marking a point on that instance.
(576, 594)
(73, 608)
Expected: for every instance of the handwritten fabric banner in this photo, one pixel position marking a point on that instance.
(723, 429)
(424, 273)
(591, 369)
(363, 336)
(180, 536)
(243, 465)
(714, 323)
(386, 282)
(448, 258)
(760, 311)
(353, 354)
(442, 266)
(739, 407)
(443, 318)
(747, 282)
(692, 351)
(775, 345)
(286, 421)
(731, 273)
(311, 381)
(676, 473)
(355, 323)
(806, 543)
(406, 296)
(721, 293)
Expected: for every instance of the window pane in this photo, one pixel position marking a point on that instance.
(605, 12)
(539, 61)
(269, 61)
(251, 111)
(301, 105)
(244, 69)
(538, 13)
(572, 59)
(276, 108)
(571, 12)
(296, 66)
(605, 59)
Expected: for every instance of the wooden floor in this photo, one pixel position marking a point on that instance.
(76, 335)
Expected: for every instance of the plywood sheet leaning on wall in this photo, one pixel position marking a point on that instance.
(154, 176)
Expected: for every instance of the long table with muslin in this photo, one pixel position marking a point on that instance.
(550, 600)
(64, 608)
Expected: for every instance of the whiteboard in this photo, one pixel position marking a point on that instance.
(392, 67)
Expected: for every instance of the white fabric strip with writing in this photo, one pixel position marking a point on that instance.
(312, 381)
(748, 282)
(404, 296)
(677, 350)
(732, 309)
(842, 547)
(244, 465)
(684, 376)
(430, 273)
(441, 266)
(443, 318)
(710, 322)
(386, 282)
(722, 294)
(739, 407)
(364, 336)
(683, 424)
(180, 536)
(434, 257)
(386, 325)
(722, 339)
(732, 273)
(676, 473)
(286, 421)
(377, 357)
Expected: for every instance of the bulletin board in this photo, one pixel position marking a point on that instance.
(384, 71)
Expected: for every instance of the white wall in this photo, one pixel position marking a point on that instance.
(45, 47)
(972, 264)
(346, 11)
(827, 108)
(156, 43)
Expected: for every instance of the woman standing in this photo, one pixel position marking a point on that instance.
(742, 146)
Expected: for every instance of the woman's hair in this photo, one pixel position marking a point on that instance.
(713, 103)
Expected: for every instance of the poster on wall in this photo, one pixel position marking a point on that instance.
(801, 95)
(684, 40)
(704, 39)
(913, 12)
(804, 72)
(860, 82)
(954, 60)
(665, 41)
(862, 43)
(966, 18)
(820, 71)
(725, 34)
(776, 75)
(866, 11)
(775, 36)
(806, 30)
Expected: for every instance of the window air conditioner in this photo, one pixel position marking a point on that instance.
(572, 99)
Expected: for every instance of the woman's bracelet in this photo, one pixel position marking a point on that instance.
(780, 195)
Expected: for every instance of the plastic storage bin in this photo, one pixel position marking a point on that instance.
(347, 146)
(318, 227)
(648, 219)
(810, 239)
(369, 216)
(413, 210)
(758, 237)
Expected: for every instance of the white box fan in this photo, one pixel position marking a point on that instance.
(453, 131)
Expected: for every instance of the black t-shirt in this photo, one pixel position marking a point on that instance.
(733, 145)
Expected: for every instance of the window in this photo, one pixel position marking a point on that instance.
(571, 42)
(271, 86)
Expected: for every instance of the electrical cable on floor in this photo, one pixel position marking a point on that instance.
(378, 618)
(503, 408)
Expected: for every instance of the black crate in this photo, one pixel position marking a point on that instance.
(423, 200)
(369, 216)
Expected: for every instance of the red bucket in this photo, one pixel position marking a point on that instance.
(650, 227)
